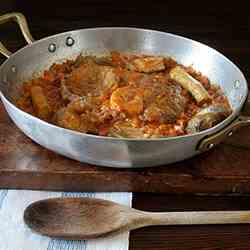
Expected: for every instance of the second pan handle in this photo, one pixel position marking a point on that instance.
(242, 120)
(20, 19)
(213, 140)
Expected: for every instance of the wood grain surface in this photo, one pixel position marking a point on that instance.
(226, 169)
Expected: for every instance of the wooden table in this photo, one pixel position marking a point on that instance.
(226, 28)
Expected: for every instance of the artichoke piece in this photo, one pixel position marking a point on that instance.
(40, 102)
(207, 118)
(195, 88)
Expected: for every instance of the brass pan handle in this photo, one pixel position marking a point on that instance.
(214, 139)
(21, 21)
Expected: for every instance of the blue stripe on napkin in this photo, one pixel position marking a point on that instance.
(74, 194)
(3, 194)
(57, 244)
(67, 245)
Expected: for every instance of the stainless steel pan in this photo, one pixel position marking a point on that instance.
(105, 151)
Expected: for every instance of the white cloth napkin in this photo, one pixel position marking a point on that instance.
(15, 235)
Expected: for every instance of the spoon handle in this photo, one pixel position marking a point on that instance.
(196, 218)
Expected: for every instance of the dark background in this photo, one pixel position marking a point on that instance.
(224, 27)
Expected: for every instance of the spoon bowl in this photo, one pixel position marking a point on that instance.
(85, 218)
(79, 218)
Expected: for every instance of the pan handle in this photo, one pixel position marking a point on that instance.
(210, 141)
(21, 21)
(213, 140)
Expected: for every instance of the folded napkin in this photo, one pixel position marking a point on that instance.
(15, 235)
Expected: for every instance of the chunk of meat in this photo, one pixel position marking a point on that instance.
(149, 64)
(166, 106)
(89, 79)
(40, 102)
(82, 80)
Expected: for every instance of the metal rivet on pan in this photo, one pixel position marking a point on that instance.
(210, 145)
(52, 48)
(70, 41)
(230, 133)
(236, 84)
(13, 69)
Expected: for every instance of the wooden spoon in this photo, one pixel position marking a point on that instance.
(85, 218)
